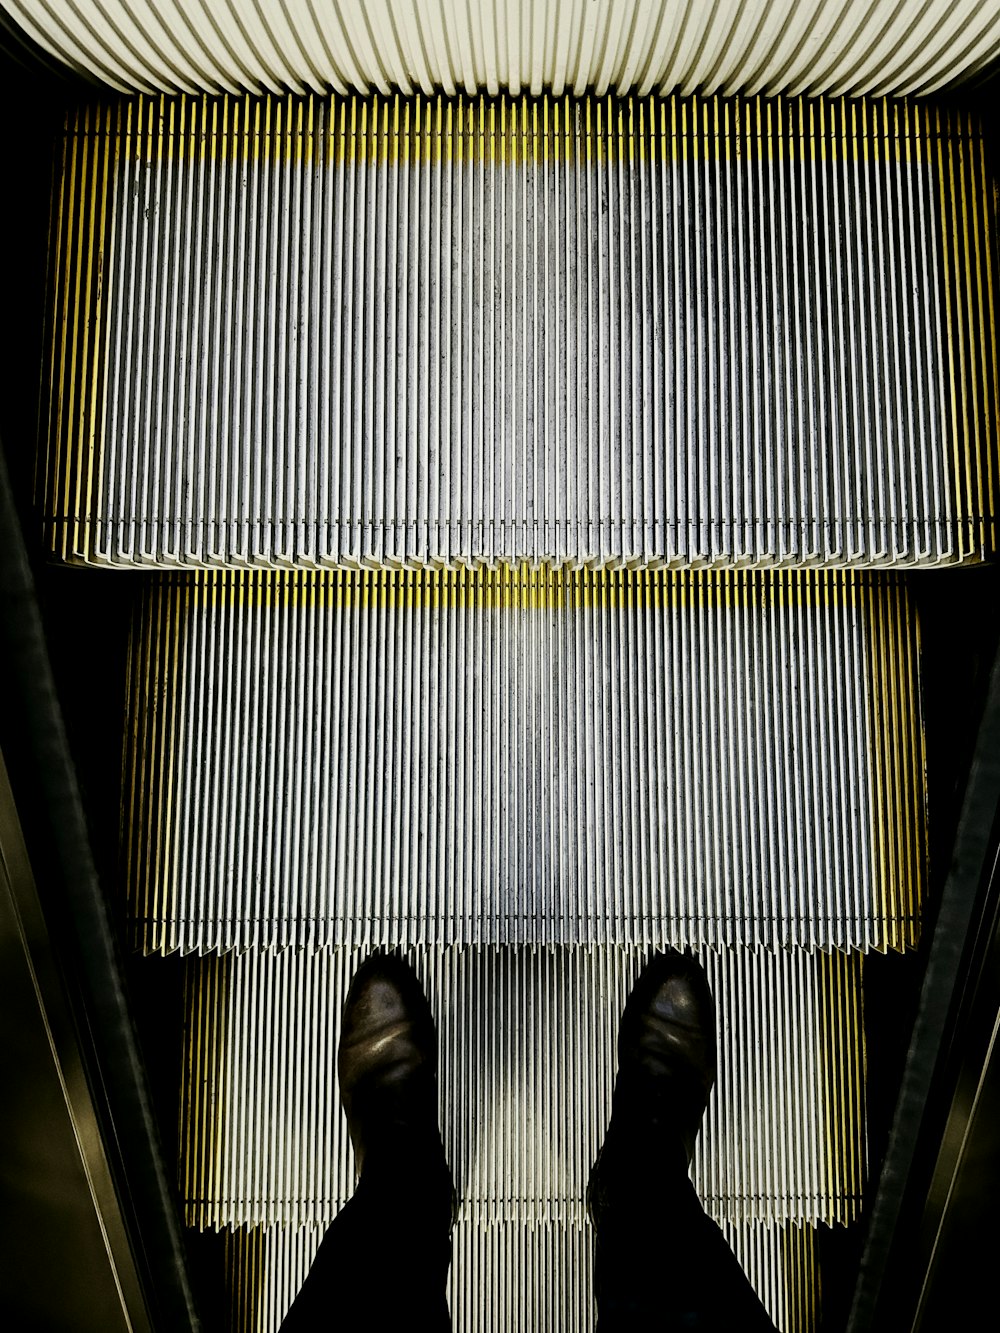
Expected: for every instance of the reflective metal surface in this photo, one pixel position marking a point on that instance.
(527, 1041)
(681, 332)
(841, 46)
(502, 1274)
(931, 1238)
(531, 757)
(67, 1260)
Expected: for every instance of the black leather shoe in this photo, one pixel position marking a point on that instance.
(383, 1263)
(387, 1066)
(659, 1260)
(666, 1069)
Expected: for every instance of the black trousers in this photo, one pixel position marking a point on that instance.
(660, 1263)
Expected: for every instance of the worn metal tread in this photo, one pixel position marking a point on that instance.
(844, 46)
(518, 1277)
(679, 331)
(527, 1040)
(524, 757)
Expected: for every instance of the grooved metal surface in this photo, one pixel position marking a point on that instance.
(505, 1276)
(782, 1266)
(520, 756)
(844, 46)
(527, 1041)
(681, 332)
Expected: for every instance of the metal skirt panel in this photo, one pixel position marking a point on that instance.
(524, 757)
(527, 1062)
(668, 332)
(844, 46)
(518, 1277)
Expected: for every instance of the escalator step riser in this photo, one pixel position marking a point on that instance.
(527, 1041)
(519, 757)
(329, 331)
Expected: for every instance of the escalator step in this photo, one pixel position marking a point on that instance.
(527, 1040)
(556, 44)
(332, 331)
(519, 1277)
(525, 757)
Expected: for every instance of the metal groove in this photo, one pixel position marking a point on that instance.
(505, 1277)
(670, 332)
(524, 757)
(527, 1066)
(842, 46)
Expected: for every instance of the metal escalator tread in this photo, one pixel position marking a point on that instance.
(536, 757)
(682, 331)
(845, 45)
(527, 1041)
(505, 1275)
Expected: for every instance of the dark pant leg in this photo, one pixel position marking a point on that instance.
(383, 1263)
(662, 1264)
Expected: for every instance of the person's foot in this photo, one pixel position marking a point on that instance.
(666, 1069)
(387, 1066)
(659, 1260)
(383, 1263)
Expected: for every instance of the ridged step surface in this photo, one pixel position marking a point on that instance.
(527, 1061)
(851, 46)
(681, 332)
(525, 757)
(519, 1277)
